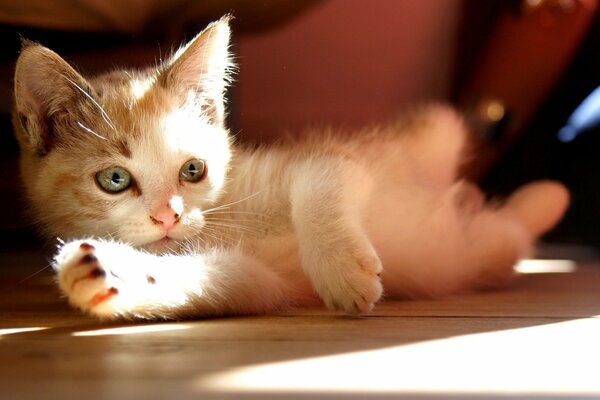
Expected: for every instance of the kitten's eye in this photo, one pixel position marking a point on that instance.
(193, 170)
(113, 179)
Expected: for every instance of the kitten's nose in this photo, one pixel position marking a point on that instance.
(166, 217)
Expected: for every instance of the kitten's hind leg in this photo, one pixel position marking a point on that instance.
(112, 280)
(501, 236)
(464, 243)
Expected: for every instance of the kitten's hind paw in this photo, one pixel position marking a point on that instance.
(539, 205)
(88, 284)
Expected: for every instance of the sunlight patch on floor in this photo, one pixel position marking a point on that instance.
(11, 331)
(534, 360)
(531, 266)
(132, 330)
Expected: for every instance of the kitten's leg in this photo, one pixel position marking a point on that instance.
(528, 213)
(496, 237)
(467, 243)
(502, 235)
(110, 280)
(327, 200)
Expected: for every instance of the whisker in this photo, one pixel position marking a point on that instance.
(211, 240)
(234, 226)
(226, 216)
(237, 212)
(242, 222)
(34, 274)
(216, 234)
(171, 249)
(234, 202)
(213, 229)
(105, 116)
(85, 128)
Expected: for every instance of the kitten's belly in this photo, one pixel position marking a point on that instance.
(281, 254)
(398, 226)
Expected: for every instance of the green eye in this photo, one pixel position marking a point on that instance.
(193, 170)
(113, 179)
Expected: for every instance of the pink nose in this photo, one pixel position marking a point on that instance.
(166, 217)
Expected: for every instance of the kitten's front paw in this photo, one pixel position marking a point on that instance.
(353, 284)
(88, 284)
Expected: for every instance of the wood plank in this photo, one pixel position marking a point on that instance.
(538, 337)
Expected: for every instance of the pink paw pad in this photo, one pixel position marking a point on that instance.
(95, 273)
(102, 297)
(86, 247)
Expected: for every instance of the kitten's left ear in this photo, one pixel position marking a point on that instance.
(202, 68)
(48, 94)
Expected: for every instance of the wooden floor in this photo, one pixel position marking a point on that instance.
(539, 338)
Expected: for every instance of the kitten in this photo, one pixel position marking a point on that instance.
(167, 218)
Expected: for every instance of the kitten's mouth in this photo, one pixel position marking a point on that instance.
(164, 244)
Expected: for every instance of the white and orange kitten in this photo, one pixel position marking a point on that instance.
(166, 218)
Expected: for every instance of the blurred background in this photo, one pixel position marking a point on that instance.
(523, 71)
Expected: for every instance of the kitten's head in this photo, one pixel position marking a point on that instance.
(133, 155)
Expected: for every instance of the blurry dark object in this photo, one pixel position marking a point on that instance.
(543, 152)
(146, 18)
(530, 46)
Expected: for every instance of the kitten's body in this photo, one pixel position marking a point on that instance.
(265, 227)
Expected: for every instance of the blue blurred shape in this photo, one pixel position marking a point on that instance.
(585, 117)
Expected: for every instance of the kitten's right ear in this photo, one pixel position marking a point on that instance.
(46, 88)
(201, 70)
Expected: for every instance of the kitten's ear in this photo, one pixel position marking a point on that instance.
(47, 88)
(201, 70)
